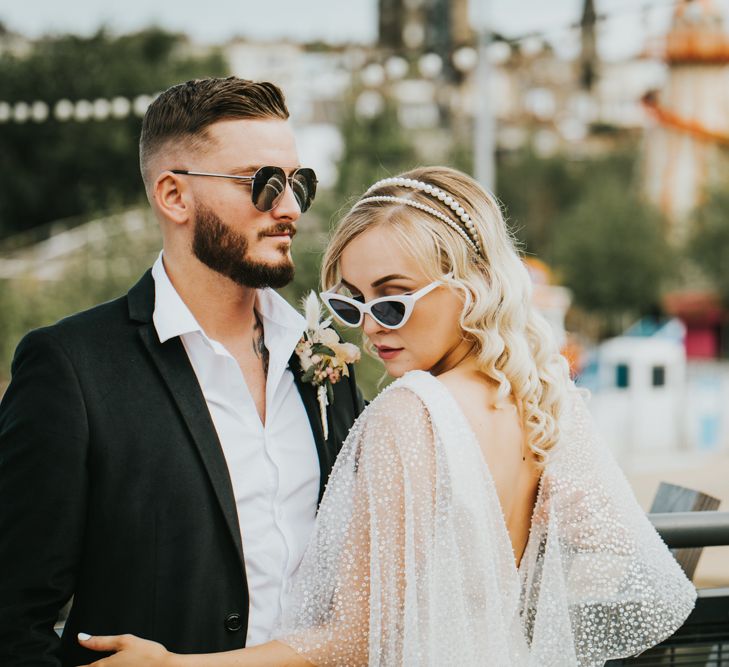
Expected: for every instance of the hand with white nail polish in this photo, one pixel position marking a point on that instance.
(129, 651)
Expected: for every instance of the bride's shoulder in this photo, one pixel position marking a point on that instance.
(396, 426)
(414, 388)
(406, 391)
(403, 402)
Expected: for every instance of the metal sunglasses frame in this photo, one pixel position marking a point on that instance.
(289, 179)
(408, 300)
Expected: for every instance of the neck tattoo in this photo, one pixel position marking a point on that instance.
(259, 345)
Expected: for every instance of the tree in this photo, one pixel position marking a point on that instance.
(374, 148)
(105, 267)
(55, 169)
(611, 252)
(708, 246)
(536, 191)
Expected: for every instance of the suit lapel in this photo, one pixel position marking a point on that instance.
(325, 449)
(177, 373)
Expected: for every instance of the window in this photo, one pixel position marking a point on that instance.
(659, 376)
(622, 376)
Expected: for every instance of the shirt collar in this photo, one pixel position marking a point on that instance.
(171, 315)
(277, 311)
(173, 318)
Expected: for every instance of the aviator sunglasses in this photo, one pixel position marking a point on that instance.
(269, 183)
(391, 312)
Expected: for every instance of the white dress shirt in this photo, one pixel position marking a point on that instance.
(274, 466)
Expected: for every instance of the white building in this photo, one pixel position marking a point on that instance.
(652, 406)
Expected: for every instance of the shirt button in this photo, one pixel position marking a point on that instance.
(233, 622)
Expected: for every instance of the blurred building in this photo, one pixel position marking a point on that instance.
(653, 404)
(687, 144)
(425, 63)
(423, 26)
(315, 81)
(558, 105)
(638, 383)
(704, 317)
(14, 43)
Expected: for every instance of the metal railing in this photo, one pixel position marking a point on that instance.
(681, 530)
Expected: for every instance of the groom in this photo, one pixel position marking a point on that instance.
(161, 458)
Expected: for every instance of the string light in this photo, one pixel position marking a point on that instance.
(79, 111)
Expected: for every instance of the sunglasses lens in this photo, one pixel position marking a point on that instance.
(268, 187)
(303, 183)
(389, 313)
(345, 311)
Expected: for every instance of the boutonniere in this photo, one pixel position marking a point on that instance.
(323, 356)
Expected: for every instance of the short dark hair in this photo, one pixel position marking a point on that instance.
(184, 111)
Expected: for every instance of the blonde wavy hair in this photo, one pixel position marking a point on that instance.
(514, 345)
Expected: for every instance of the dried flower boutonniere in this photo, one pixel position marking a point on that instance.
(323, 356)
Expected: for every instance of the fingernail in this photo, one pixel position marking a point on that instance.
(83, 636)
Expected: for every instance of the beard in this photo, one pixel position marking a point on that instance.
(225, 251)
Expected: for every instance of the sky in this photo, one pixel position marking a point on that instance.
(336, 21)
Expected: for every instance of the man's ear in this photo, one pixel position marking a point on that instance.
(172, 197)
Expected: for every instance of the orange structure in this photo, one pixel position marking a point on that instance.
(687, 145)
(697, 35)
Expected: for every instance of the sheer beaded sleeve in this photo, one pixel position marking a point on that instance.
(596, 574)
(411, 563)
(353, 581)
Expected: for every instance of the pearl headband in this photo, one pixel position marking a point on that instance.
(466, 229)
(428, 209)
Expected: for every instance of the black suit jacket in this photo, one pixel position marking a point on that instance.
(114, 489)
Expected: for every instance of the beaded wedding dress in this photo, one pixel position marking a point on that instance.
(411, 562)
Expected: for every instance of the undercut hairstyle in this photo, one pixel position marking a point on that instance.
(183, 113)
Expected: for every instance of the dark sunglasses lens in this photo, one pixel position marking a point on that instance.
(303, 183)
(268, 187)
(346, 311)
(389, 313)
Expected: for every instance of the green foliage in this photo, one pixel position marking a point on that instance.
(103, 270)
(54, 169)
(584, 218)
(308, 375)
(307, 252)
(461, 157)
(709, 243)
(536, 192)
(611, 252)
(374, 148)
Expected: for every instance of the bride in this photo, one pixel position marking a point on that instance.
(472, 517)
